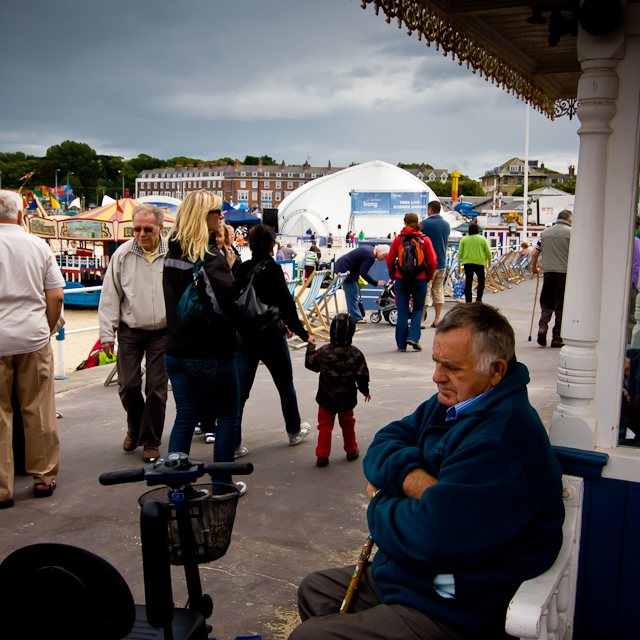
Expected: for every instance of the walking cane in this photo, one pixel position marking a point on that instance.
(535, 300)
(357, 574)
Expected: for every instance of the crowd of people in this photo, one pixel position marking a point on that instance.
(455, 539)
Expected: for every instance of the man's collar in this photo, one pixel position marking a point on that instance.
(162, 248)
(462, 407)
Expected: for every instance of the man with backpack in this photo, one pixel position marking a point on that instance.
(437, 229)
(412, 263)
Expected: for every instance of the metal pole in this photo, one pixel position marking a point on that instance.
(525, 208)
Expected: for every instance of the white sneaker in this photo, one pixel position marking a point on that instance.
(297, 438)
(240, 451)
(209, 438)
(242, 487)
(197, 431)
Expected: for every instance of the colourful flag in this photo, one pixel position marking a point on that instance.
(28, 175)
(54, 203)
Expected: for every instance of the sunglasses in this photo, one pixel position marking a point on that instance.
(145, 229)
(214, 211)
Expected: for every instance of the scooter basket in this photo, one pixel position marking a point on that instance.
(212, 509)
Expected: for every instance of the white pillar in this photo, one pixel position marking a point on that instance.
(574, 420)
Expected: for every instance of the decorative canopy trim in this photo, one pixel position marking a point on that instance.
(435, 28)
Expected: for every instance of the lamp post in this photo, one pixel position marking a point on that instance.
(122, 174)
(57, 182)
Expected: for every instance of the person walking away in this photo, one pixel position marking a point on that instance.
(553, 249)
(412, 263)
(343, 371)
(132, 306)
(31, 291)
(310, 261)
(361, 235)
(437, 229)
(271, 289)
(474, 253)
(202, 362)
(358, 263)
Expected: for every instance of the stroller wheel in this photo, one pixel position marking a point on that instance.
(392, 318)
(375, 317)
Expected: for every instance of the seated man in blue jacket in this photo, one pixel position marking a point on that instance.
(465, 501)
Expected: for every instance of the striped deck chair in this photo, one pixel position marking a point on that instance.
(323, 299)
(316, 325)
(291, 285)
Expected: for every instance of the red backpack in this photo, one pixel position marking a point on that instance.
(412, 260)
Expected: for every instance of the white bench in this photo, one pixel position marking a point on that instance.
(543, 607)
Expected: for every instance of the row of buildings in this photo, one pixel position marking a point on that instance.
(265, 186)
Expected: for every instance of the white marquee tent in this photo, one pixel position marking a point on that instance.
(324, 205)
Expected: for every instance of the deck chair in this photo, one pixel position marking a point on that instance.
(291, 285)
(323, 299)
(316, 325)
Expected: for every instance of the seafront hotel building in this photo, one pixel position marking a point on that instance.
(258, 185)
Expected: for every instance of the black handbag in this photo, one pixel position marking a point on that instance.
(257, 319)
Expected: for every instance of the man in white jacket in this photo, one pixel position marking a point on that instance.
(132, 305)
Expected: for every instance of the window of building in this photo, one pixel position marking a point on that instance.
(243, 196)
(199, 184)
(520, 181)
(290, 175)
(254, 195)
(266, 184)
(286, 193)
(254, 174)
(189, 184)
(254, 184)
(266, 174)
(289, 185)
(143, 193)
(278, 185)
(265, 196)
(155, 193)
(278, 175)
(243, 173)
(505, 180)
(243, 184)
(313, 175)
(278, 196)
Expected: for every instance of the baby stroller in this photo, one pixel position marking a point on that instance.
(388, 307)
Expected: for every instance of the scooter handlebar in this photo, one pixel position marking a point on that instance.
(229, 468)
(121, 477)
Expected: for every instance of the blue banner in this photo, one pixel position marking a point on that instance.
(390, 203)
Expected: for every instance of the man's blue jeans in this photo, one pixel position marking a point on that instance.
(405, 289)
(275, 355)
(352, 297)
(215, 377)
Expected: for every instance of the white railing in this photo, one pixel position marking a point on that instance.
(61, 335)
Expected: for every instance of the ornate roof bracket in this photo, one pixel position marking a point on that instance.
(435, 28)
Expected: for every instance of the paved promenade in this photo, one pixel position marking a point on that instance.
(295, 517)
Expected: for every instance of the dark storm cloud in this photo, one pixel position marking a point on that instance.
(289, 78)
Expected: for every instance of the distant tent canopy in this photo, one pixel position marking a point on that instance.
(240, 217)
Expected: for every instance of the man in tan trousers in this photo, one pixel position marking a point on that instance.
(31, 293)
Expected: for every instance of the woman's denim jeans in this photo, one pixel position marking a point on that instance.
(405, 289)
(275, 355)
(352, 298)
(215, 377)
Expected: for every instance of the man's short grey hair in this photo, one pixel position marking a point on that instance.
(10, 204)
(492, 335)
(150, 208)
(382, 251)
(565, 214)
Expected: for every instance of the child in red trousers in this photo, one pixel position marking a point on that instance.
(343, 370)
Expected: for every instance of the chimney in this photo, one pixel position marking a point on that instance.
(542, 166)
(200, 165)
(259, 164)
(572, 171)
(306, 164)
(212, 163)
(329, 166)
(189, 165)
(236, 164)
(178, 166)
(282, 164)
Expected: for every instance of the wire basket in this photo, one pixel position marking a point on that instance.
(212, 509)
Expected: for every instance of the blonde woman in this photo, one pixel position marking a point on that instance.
(200, 363)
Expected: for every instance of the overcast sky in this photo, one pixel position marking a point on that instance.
(293, 79)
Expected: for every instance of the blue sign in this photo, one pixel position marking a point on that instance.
(390, 203)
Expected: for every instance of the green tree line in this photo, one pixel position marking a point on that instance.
(89, 174)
